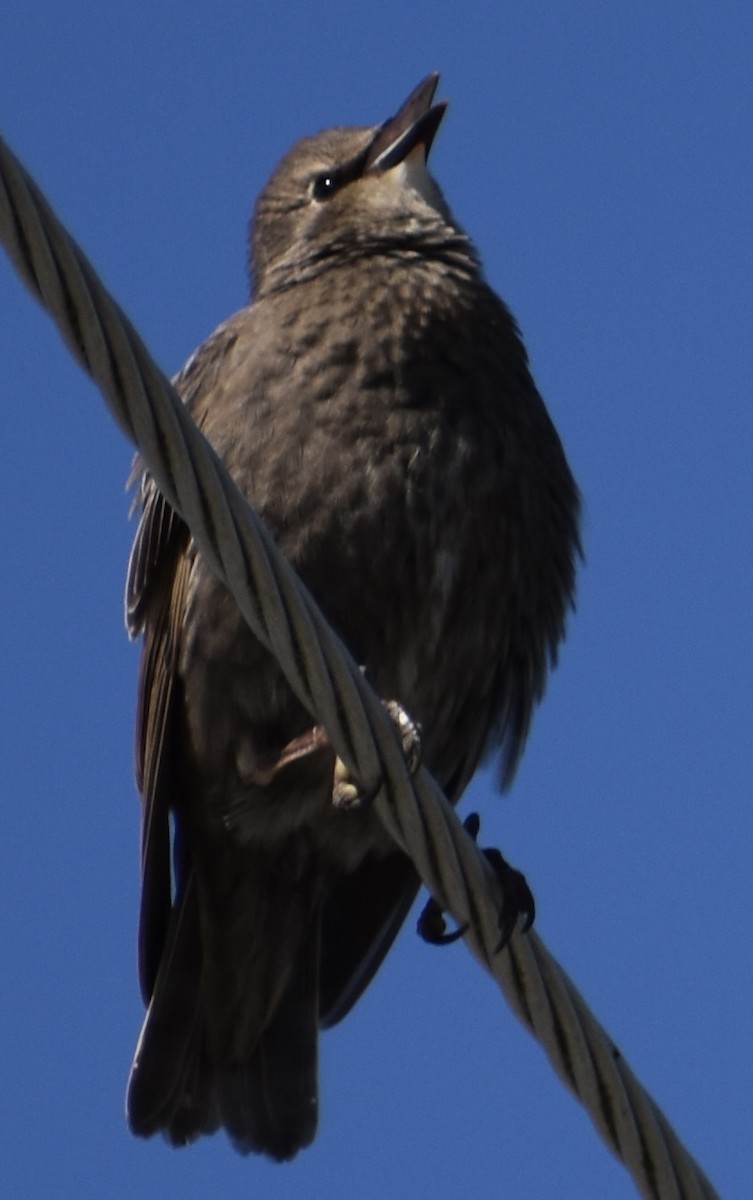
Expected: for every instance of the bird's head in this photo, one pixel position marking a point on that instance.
(348, 193)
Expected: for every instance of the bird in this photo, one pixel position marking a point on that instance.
(374, 403)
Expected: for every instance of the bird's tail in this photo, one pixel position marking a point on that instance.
(230, 1035)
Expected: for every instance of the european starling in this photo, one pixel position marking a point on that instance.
(374, 403)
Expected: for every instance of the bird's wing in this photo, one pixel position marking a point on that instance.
(363, 914)
(156, 589)
(160, 569)
(361, 918)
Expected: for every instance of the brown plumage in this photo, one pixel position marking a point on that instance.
(375, 405)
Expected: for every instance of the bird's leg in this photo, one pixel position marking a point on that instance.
(347, 792)
(517, 901)
(310, 742)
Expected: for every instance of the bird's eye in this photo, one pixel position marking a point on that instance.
(325, 185)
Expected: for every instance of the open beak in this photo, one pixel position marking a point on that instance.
(414, 125)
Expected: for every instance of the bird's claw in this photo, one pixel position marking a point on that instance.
(347, 792)
(432, 926)
(410, 734)
(517, 898)
(517, 901)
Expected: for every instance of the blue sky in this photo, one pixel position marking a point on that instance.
(600, 157)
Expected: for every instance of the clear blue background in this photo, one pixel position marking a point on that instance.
(600, 155)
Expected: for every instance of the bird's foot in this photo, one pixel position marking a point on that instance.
(517, 901)
(346, 790)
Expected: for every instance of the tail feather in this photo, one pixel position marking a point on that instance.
(267, 1100)
(166, 1070)
(270, 1104)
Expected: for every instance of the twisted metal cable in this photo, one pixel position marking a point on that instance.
(285, 618)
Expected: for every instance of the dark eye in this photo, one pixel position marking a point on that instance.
(325, 185)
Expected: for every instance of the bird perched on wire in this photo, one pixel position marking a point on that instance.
(374, 403)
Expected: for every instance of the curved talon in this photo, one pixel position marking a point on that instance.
(432, 927)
